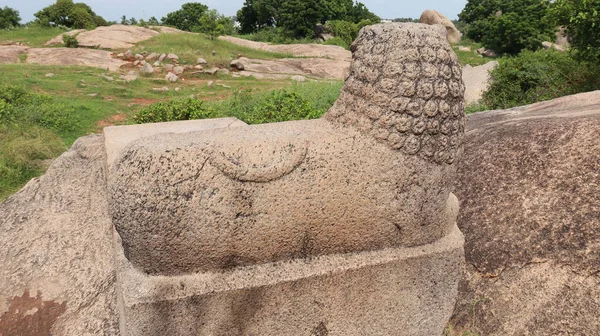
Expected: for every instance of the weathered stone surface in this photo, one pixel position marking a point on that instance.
(417, 128)
(74, 56)
(476, 80)
(57, 272)
(530, 212)
(171, 77)
(59, 39)
(147, 69)
(10, 54)
(201, 61)
(110, 37)
(433, 17)
(178, 70)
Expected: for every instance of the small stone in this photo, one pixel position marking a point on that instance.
(213, 53)
(156, 64)
(48, 75)
(142, 62)
(173, 57)
(223, 72)
(92, 94)
(198, 67)
(237, 64)
(139, 57)
(298, 78)
(171, 77)
(108, 78)
(162, 57)
(152, 57)
(462, 48)
(209, 84)
(147, 69)
(121, 55)
(169, 67)
(225, 86)
(177, 89)
(136, 63)
(211, 71)
(128, 55)
(178, 70)
(162, 89)
(201, 61)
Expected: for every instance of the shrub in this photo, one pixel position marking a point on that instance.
(175, 109)
(279, 105)
(535, 76)
(582, 20)
(338, 41)
(19, 106)
(70, 41)
(9, 18)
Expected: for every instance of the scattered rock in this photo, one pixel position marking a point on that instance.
(209, 84)
(223, 72)
(463, 48)
(143, 62)
(128, 55)
(201, 61)
(486, 52)
(147, 69)
(198, 67)
(169, 67)
(213, 53)
(139, 57)
(93, 94)
(211, 71)
(550, 45)
(48, 75)
(152, 57)
(223, 85)
(237, 64)
(432, 17)
(120, 55)
(136, 63)
(130, 77)
(156, 64)
(177, 89)
(178, 70)
(173, 57)
(162, 57)
(298, 78)
(162, 89)
(108, 78)
(171, 77)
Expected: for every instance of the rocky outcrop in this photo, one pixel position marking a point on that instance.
(432, 17)
(11, 53)
(74, 56)
(530, 212)
(476, 81)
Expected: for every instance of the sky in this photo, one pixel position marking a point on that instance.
(112, 10)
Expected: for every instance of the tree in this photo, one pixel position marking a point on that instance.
(153, 21)
(299, 18)
(508, 26)
(214, 24)
(187, 17)
(581, 18)
(69, 14)
(9, 18)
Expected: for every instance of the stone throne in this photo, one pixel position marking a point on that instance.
(345, 225)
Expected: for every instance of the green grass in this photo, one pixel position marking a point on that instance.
(34, 36)
(191, 46)
(470, 57)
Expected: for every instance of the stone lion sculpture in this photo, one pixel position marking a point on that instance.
(375, 172)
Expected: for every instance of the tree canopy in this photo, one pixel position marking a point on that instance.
(299, 18)
(508, 26)
(581, 18)
(69, 14)
(187, 17)
(9, 18)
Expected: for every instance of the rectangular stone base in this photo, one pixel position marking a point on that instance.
(403, 291)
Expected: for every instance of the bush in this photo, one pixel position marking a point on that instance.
(535, 76)
(302, 101)
(582, 20)
(19, 106)
(175, 109)
(9, 18)
(338, 41)
(70, 41)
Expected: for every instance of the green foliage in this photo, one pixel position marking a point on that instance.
(582, 20)
(214, 24)
(175, 109)
(18, 106)
(68, 14)
(187, 17)
(298, 18)
(9, 18)
(508, 26)
(24, 151)
(346, 30)
(406, 20)
(70, 41)
(302, 101)
(337, 41)
(535, 76)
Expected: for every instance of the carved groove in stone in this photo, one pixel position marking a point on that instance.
(284, 162)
